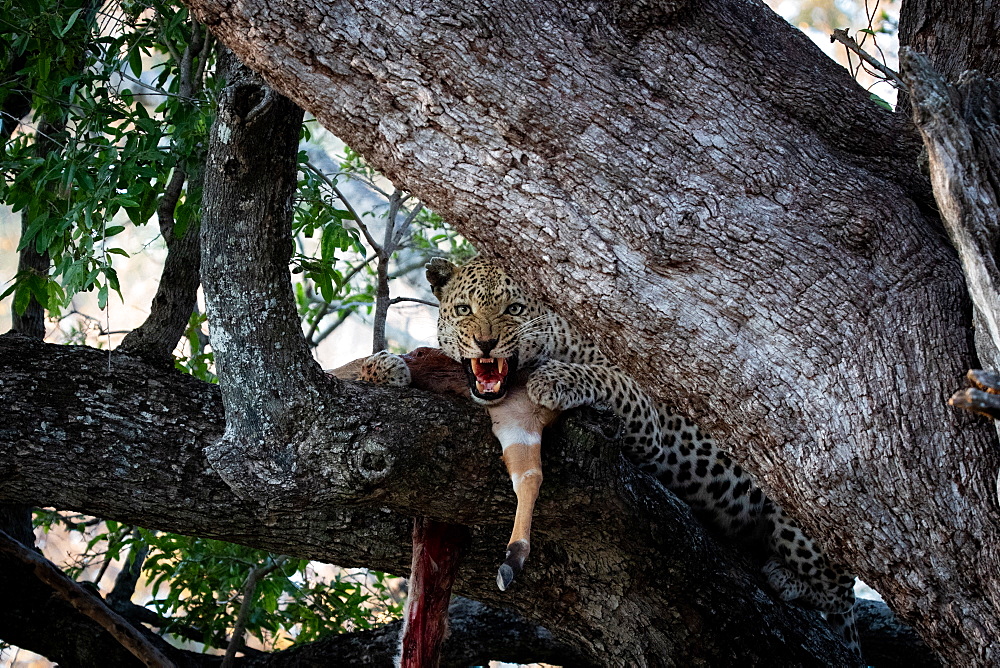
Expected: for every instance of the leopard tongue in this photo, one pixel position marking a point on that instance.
(490, 373)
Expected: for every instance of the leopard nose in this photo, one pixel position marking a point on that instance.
(487, 346)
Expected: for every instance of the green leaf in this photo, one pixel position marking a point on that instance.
(38, 285)
(9, 290)
(135, 63)
(69, 24)
(325, 284)
(43, 66)
(330, 243)
(114, 229)
(22, 297)
(879, 101)
(102, 297)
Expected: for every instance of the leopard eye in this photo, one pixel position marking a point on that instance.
(463, 309)
(515, 309)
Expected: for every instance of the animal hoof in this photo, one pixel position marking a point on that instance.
(505, 576)
(517, 553)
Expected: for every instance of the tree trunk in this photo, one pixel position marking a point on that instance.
(673, 178)
(956, 35)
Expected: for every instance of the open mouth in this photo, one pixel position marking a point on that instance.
(488, 376)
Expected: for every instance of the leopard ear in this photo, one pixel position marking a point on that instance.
(439, 272)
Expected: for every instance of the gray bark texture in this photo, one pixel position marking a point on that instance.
(294, 435)
(956, 36)
(620, 571)
(700, 190)
(959, 124)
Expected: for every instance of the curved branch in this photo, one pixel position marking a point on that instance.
(86, 602)
(257, 573)
(958, 124)
(268, 377)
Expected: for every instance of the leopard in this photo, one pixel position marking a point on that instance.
(501, 335)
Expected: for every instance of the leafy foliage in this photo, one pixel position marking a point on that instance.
(196, 585)
(338, 274)
(97, 146)
(122, 98)
(198, 360)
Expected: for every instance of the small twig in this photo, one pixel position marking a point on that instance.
(206, 49)
(112, 541)
(140, 615)
(257, 574)
(840, 35)
(357, 268)
(382, 270)
(406, 224)
(396, 300)
(350, 209)
(407, 268)
(329, 330)
(156, 89)
(86, 603)
(171, 49)
(326, 306)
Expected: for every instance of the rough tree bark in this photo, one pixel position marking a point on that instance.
(286, 422)
(675, 179)
(611, 549)
(956, 36)
(959, 126)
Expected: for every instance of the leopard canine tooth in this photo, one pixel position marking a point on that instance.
(501, 365)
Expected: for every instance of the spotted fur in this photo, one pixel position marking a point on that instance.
(384, 368)
(484, 313)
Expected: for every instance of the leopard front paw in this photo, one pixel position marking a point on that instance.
(384, 368)
(782, 581)
(556, 387)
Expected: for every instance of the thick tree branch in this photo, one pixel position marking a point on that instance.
(176, 295)
(958, 125)
(956, 36)
(177, 292)
(268, 377)
(651, 566)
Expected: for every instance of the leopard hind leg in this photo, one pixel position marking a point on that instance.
(798, 570)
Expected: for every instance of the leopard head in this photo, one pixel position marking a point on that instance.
(486, 322)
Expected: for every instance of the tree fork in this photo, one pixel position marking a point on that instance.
(653, 177)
